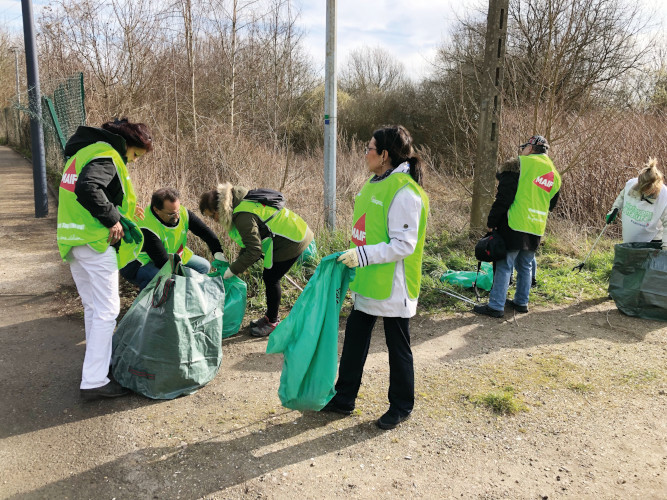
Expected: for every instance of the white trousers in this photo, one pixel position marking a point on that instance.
(96, 278)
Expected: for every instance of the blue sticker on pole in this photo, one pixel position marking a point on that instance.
(326, 119)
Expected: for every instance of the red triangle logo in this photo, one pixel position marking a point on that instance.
(180, 250)
(359, 231)
(545, 182)
(69, 177)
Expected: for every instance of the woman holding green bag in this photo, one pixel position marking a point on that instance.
(390, 215)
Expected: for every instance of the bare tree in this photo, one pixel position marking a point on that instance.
(371, 70)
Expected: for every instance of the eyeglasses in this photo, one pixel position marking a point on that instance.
(367, 149)
(171, 215)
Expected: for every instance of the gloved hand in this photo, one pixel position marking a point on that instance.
(132, 232)
(228, 274)
(220, 256)
(127, 237)
(219, 260)
(611, 216)
(349, 258)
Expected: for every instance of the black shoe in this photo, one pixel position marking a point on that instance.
(391, 419)
(485, 309)
(515, 306)
(112, 390)
(334, 408)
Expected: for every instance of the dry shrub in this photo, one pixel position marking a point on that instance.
(242, 161)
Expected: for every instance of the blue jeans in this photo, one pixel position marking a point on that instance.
(148, 271)
(522, 260)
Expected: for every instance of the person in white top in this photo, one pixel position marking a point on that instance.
(643, 206)
(388, 238)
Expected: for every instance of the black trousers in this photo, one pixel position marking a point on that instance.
(355, 350)
(272, 279)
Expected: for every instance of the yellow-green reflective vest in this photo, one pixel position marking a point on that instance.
(539, 181)
(173, 239)
(76, 226)
(281, 222)
(371, 227)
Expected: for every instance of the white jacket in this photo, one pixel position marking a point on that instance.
(403, 227)
(643, 218)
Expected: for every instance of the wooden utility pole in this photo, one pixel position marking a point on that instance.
(488, 129)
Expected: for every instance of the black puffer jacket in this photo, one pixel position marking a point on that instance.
(508, 182)
(98, 187)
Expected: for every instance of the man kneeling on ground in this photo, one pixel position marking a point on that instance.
(165, 228)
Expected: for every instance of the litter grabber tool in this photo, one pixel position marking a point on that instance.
(579, 267)
(458, 296)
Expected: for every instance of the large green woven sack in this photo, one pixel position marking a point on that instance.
(169, 342)
(638, 281)
(466, 279)
(308, 338)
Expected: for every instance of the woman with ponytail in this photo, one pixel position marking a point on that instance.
(643, 205)
(387, 245)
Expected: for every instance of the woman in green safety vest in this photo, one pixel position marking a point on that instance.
(259, 223)
(390, 214)
(97, 235)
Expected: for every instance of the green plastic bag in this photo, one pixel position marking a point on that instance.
(638, 281)
(169, 342)
(465, 279)
(236, 295)
(308, 338)
(309, 255)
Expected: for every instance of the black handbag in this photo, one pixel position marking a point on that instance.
(490, 248)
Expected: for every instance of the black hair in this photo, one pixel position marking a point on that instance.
(397, 141)
(135, 134)
(162, 195)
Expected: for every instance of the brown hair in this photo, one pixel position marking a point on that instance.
(135, 134)
(650, 179)
(162, 195)
(209, 201)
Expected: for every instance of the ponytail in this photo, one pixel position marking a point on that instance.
(416, 171)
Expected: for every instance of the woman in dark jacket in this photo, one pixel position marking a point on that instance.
(96, 205)
(260, 224)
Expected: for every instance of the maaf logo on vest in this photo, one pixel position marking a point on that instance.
(359, 231)
(545, 182)
(69, 177)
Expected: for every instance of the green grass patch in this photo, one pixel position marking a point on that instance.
(580, 387)
(639, 377)
(504, 402)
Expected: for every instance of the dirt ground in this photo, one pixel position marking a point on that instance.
(593, 384)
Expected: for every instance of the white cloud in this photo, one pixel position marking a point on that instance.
(411, 30)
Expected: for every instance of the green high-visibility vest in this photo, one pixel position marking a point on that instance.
(371, 227)
(174, 239)
(76, 225)
(281, 222)
(539, 181)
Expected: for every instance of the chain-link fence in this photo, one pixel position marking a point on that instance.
(63, 110)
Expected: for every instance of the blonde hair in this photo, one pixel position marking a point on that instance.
(650, 179)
